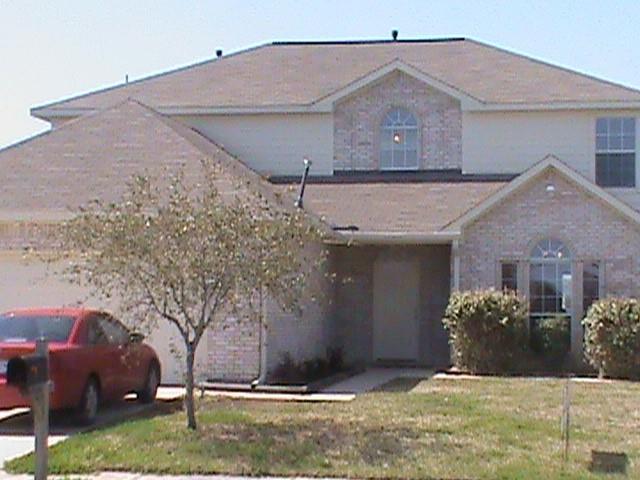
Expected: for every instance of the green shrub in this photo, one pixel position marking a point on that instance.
(551, 340)
(612, 337)
(487, 330)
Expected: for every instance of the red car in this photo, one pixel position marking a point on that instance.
(93, 358)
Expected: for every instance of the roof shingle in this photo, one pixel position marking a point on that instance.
(297, 74)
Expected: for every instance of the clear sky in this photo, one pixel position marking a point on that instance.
(55, 49)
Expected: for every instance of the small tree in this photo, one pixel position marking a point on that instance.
(189, 255)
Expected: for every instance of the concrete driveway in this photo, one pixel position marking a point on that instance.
(16, 426)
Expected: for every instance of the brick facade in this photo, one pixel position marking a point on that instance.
(233, 350)
(357, 124)
(22, 236)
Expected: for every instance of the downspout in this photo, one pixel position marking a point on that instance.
(303, 183)
(262, 341)
(262, 346)
(456, 264)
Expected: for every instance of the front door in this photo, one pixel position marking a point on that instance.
(396, 331)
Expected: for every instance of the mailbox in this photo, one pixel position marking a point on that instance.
(27, 371)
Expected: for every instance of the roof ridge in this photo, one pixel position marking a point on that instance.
(367, 42)
(553, 65)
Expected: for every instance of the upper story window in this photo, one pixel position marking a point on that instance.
(616, 152)
(399, 141)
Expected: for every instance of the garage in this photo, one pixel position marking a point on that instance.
(32, 283)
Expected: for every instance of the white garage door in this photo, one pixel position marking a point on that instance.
(32, 284)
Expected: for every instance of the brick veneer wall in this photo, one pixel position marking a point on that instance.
(21, 236)
(357, 124)
(234, 350)
(591, 229)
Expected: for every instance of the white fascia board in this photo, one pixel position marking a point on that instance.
(393, 238)
(553, 106)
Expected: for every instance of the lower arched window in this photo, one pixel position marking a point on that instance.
(550, 283)
(550, 279)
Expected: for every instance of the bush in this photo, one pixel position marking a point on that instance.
(487, 330)
(612, 337)
(290, 372)
(551, 340)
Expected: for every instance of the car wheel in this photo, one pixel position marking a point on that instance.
(150, 388)
(89, 403)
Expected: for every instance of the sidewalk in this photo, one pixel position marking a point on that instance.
(139, 476)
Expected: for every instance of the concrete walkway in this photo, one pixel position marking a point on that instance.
(138, 476)
(373, 378)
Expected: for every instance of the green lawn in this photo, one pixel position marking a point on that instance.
(464, 428)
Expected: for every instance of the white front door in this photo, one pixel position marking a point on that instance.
(396, 331)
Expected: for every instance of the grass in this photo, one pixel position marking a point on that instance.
(489, 428)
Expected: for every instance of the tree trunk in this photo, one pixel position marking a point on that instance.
(189, 384)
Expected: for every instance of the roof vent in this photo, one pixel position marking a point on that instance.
(394, 35)
(218, 53)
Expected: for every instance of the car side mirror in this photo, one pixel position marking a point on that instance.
(136, 337)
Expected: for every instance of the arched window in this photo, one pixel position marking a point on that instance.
(550, 285)
(399, 141)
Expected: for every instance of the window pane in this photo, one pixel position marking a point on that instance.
(601, 142)
(535, 280)
(616, 169)
(629, 126)
(615, 126)
(629, 143)
(509, 274)
(601, 126)
(615, 143)
(385, 159)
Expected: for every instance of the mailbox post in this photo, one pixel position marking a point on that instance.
(30, 373)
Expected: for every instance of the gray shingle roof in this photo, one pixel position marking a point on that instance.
(299, 74)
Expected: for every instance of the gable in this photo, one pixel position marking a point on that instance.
(357, 118)
(48, 177)
(549, 164)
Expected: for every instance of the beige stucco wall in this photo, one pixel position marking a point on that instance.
(510, 142)
(272, 143)
(357, 122)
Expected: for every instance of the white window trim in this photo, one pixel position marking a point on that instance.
(617, 151)
(386, 128)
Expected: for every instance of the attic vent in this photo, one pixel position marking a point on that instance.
(218, 53)
(394, 35)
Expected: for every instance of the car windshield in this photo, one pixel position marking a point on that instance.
(29, 328)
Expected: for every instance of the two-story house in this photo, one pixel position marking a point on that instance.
(437, 164)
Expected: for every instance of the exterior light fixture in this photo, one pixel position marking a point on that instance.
(396, 138)
(550, 187)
